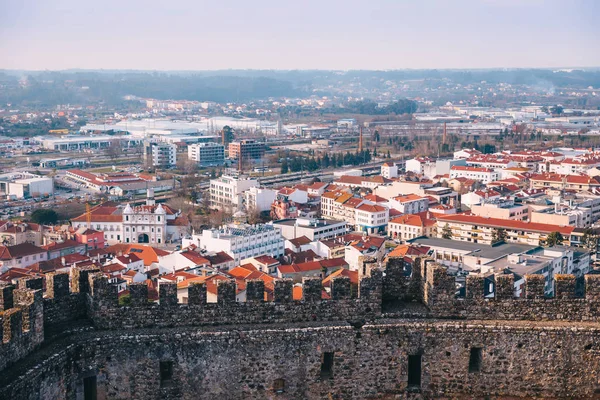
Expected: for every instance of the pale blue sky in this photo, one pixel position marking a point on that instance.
(305, 34)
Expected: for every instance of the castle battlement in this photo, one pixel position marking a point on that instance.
(344, 304)
(423, 292)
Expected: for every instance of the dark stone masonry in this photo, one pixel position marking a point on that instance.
(405, 334)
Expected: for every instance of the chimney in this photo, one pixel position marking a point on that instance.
(445, 134)
(360, 140)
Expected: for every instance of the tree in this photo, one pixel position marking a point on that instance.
(589, 240)
(44, 216)
(114, 149)
(446, 232)
(557, 110)
(388, 154)
(227, 132)
(498, 235)
(554, 239)
(376, 136)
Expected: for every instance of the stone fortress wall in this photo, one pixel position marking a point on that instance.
(406, 337)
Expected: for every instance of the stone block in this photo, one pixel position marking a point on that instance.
(103, 292)
(564, 286)
(6, 295)
(535, 286)
(474, 287)
(12, 324)
(31, 283)
(79, 278)
(57, 285)
(341, 288)
(226, 292)
(284, 291)
(255, 290)
(167, 294)
(505, 287)
(311, 289)
(370, 288)
(592, 287)
(139, 294)
(197, 293)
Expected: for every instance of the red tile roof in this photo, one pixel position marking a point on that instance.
(505, 223)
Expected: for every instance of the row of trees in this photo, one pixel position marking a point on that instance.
(297, 164)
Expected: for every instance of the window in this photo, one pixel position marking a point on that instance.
(327, 365)
(89, 388)
(166, 373)
(475, 359)
(414, 370)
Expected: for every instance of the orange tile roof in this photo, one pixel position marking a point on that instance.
(147, 253)
(371, 208)
(408, 197)
(353, 275)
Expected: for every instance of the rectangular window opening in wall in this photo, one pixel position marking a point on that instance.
(89, 388)
(327, 365)
(475, 359)
(414, 370)
(166, 373)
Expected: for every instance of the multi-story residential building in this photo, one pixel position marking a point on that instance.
(248, 149)
(485, 175)
(16, 233)
(547, 262)
(411, 226)
(149, 223)
(227, 191)
(389, 170)
(477, 197)
(240, 241)
(259, 199)
(207, 154)
(161, 154)
(370, 182)
(501, 209)
(409, 204)
(418, 164)
(472, 228)
(556, 181)
(491, 161)
(466, 153)
(332, 204)
(21, 256)
(312, 228)
(360, 247)
(579, 217)
(371, 218)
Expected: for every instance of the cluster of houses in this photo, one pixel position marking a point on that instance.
(530, 212)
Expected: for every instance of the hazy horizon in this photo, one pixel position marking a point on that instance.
(312, 35)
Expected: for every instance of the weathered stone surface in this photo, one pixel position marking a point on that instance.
(255, 290)
(531, 347)
(57, 285)
(534, 286)
(312, 289)
(284, 291)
